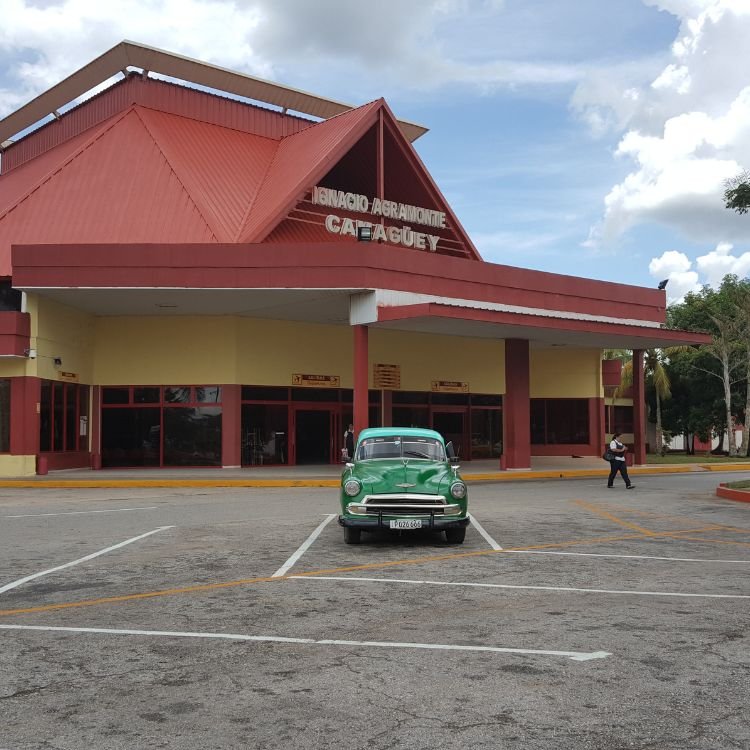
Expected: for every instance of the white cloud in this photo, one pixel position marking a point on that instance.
(407, 44)
(686, 131)
(56, 39)
(686, 276)
(714, 266)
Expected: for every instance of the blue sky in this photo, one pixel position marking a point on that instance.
(585, 137)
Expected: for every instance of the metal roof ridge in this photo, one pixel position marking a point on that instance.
(172, 169)
(132, 54)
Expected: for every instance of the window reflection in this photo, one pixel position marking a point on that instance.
(264, 434)
(192, 436)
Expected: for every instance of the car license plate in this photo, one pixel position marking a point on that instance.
(407, 523)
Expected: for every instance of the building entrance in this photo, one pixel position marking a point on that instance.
(313, 434)
(451, 425)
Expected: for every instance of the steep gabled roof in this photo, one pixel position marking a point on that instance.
(300, 161)
(305, 158)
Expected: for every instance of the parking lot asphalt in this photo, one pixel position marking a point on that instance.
(572, 617)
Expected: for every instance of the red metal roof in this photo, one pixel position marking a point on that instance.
(145, 175)
(117, 187)
(301, 160)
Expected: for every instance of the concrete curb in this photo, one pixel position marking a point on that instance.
(506, 476)
(729, 493)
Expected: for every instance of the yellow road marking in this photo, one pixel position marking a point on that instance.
(708, 541)
(347, 569)
(268, 579)
(611, 517)
(663, 516)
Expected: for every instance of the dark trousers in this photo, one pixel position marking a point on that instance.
(622, 468)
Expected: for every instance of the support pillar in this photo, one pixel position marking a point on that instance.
(516, 407)
(25, 395)
(361, 379)
(639, 409)
(95, 424)
(386, 418)
(231, 418)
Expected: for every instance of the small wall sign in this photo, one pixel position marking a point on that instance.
(316, 381)
(449, 386)
(386, 376)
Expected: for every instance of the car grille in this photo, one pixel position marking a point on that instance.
(405, 504)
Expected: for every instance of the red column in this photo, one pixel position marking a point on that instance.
(96, 427)
(25, 394)
(387, 416)
(231, 417)
(639, 409)
(516, 407)
(361, 380)
(596, 426)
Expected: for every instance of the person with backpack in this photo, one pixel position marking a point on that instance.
(617, 461)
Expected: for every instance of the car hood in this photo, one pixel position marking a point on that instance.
(416, 476)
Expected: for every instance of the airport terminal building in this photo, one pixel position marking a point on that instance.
(189, 278)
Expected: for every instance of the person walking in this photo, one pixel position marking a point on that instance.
(617, 461)
(349, 442)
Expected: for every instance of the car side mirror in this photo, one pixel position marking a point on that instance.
(349, 465)
(451, 452)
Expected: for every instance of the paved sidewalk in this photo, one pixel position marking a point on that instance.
(329, 476)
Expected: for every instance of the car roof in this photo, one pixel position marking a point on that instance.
(375, 432)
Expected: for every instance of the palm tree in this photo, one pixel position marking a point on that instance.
(656, 374)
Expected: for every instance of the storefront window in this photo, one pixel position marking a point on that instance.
(411, 416)
(192, 436)
(4, 415)
(61, 406)
(131, 437)
(620, 419)
(486, 433)
(264, 434)
(176, 429)
(559, 421)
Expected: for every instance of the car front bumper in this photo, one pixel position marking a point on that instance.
(382, 521)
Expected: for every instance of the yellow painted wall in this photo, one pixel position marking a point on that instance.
(165, 350)
(17, 466)
(191, 350)
(64, 332)
(426, 357)
(560, 372)
(271, 351)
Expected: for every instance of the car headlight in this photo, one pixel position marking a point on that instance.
(352, 487)
(458, 490)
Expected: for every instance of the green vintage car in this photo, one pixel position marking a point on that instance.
(403, 478)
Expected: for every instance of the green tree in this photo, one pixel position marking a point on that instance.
(657, 377)
(737, 192)
(718, 312)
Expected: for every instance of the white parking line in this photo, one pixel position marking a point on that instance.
(532, 588)
(574, 655)
(80, 512)
(632, 557)
(478, 526)
(301, 551)
(14, 584)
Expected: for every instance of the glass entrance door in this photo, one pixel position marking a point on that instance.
(451, 424)
(313, 435)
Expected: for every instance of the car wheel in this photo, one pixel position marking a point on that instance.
(352, 536)
(455, 536)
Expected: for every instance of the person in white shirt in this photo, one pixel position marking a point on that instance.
(618, 462)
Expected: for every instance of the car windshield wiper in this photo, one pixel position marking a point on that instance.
(417, 454)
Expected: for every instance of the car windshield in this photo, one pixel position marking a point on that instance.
(398, 446)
